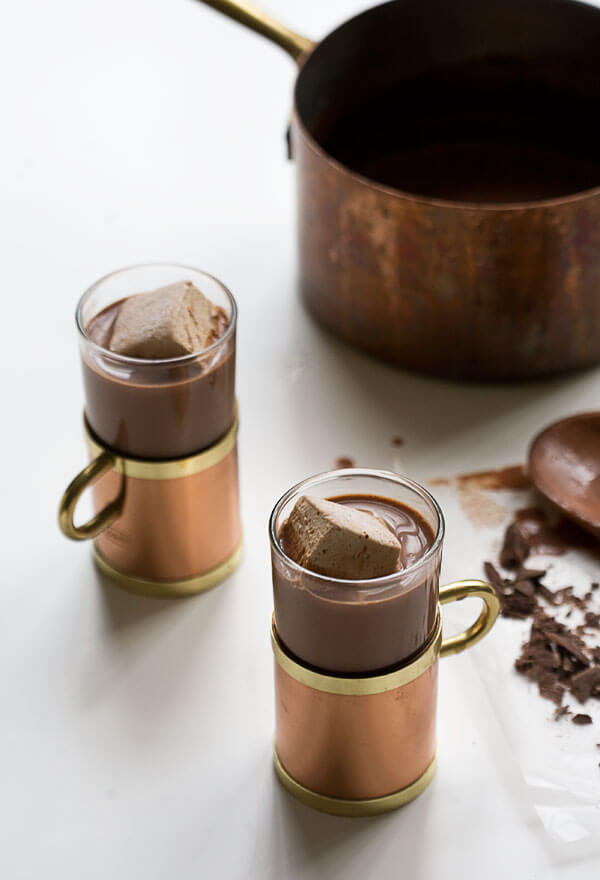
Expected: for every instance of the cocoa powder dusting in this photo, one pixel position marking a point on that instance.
(512, 477)
(472, 488)
(479, 507)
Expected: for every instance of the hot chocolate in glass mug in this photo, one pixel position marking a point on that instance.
(161, 427)
(356, 658)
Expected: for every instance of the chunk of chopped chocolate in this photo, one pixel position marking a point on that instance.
(555, 656)
(494, 577)
(515, 548)
(570, 643)
(550, 688)
(527, 588)
(344, 461)
(537, 662)
(566, 596)
(581, 719)
(517, 605)
(583, 683)
(546, 594)
(530, 574)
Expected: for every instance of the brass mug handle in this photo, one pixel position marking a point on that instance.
(95, 469)
(491, 606)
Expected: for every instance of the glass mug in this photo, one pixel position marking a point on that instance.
(356, 662)
(162, 437)
(351, 626)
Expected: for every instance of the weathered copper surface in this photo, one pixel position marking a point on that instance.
(462, 291)
(449, 182)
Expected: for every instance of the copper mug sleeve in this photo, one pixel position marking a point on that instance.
(161, 528)
(363, 746)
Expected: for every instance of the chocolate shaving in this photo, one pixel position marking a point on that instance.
(566, 596)
(556, 658)
(527, 588)
(494, 577)
(569, 643)
(538, 659)
(584, 683)
(555, 655)
(581, 719)
(530, 574)
(547, 594)
(560, 711)
(516, 597)
(515, 548)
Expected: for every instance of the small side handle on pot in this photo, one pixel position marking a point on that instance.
(95, 469)
(491, 606)
(257, 20)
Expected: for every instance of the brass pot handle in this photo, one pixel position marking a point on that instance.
(257, 20)
(95, 469)
(491, 606)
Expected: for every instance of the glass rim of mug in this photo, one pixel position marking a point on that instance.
(362, 583)
(155, 362)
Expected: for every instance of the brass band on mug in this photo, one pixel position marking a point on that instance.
(388, 758)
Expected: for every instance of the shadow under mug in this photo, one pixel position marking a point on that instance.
(160, 528)
(359, 746)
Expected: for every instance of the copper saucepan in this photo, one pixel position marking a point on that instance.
(448, 162)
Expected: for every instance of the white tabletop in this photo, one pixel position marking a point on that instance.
(137, 734)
